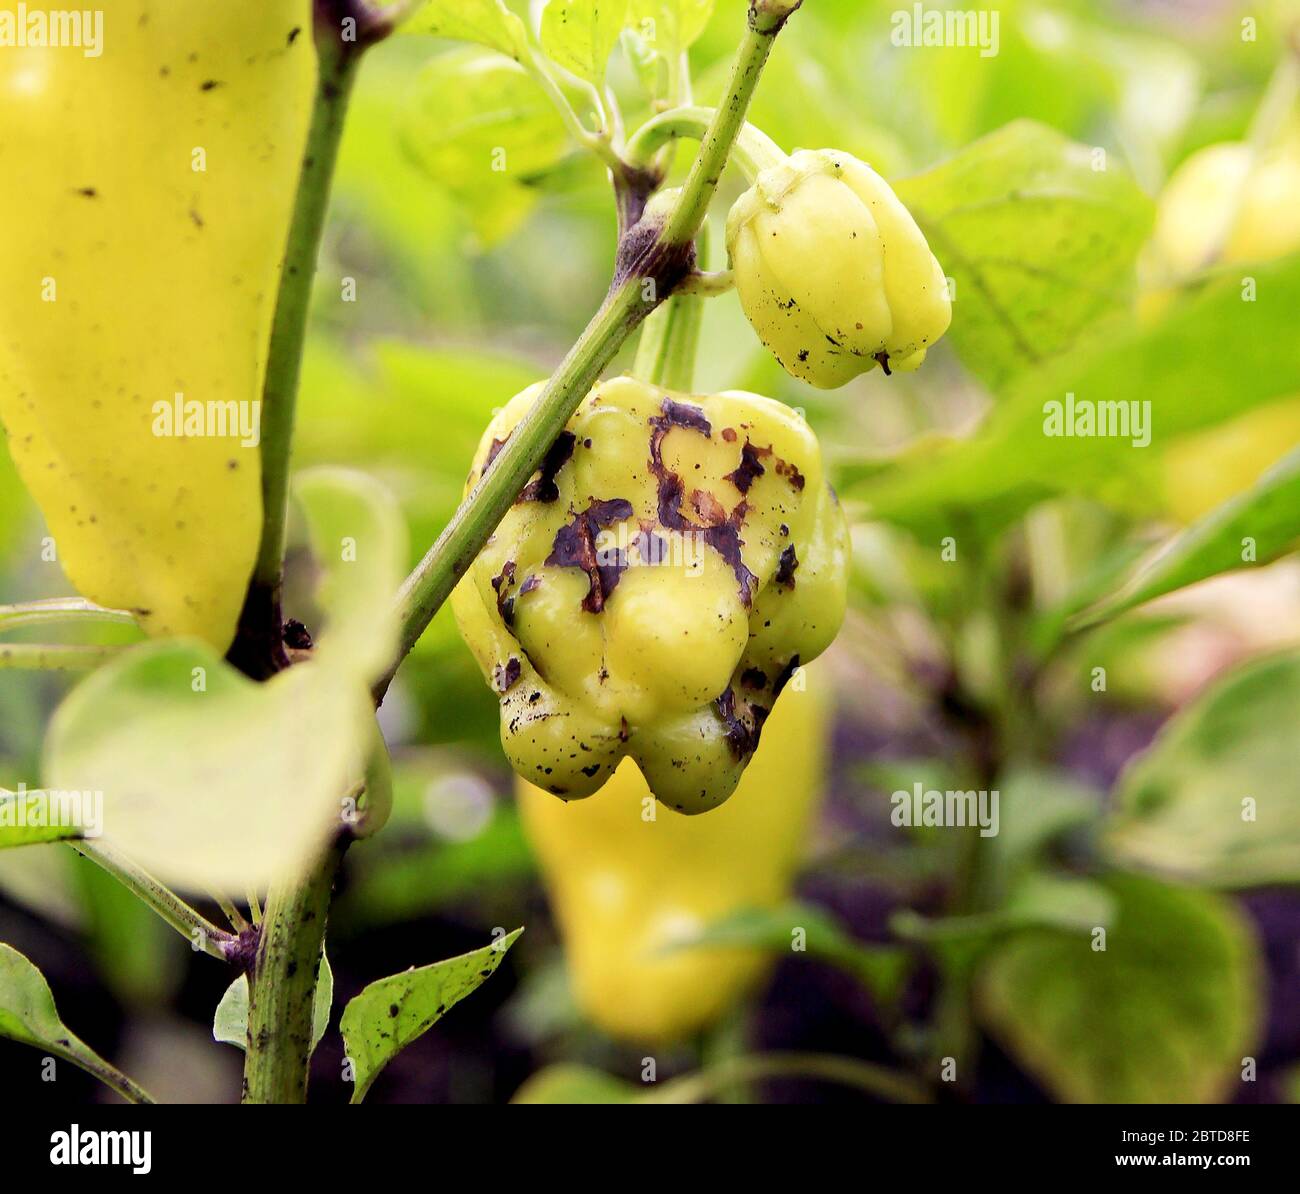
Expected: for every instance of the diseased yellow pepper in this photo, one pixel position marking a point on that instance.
(832, 270)
(143, 223)
(654, 587)
(625, 884)
(1222, 206)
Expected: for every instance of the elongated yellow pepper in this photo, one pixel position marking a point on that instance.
(144, 222)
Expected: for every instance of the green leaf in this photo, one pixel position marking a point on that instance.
(880, 968)
(487, 22)
(230, 1022)
(581, 34)
(212, 781)
(481, 127)
(28, 1015)
(670, 27)
(575, 1085)
(1038, 900)
(1041, 244)
(1215, 799)
(1163, 1015)
(208, 779)
(358, 538)
(28, 818)
(1178, 365)
(1268, 514)
(391, 1013)
(1038, 806)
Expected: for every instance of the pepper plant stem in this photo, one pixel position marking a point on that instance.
(55, 657)
(632, 298)
(258, 649)
(195, 928)
(842, 1071)
(282, 989)
(753, 151)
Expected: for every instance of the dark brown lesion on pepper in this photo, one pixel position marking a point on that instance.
(501, 586)
(719, 530)
(786, 567)
(506, 676)
(742, 723)
(575, 547)
(542, 488)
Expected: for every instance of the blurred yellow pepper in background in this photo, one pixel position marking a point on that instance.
(1222, 207)
(627, 877)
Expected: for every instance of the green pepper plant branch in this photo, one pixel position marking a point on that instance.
(656, 256)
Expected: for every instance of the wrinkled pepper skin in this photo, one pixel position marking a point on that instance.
(832, 271)
(623, 888)
(654, 587)
(1217, 209)
(128, 276)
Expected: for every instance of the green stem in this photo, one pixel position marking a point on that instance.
(463, 538)
(113, 1078)
(670, 338)
(754, 150)
(843, 1071)
(665, 355)
(258, 648)
(598, 143)
(53, 610)
(195, 928)
(628, 304)
(283, 985)
(62, 657)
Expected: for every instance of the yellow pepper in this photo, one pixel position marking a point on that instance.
(674, 561)
(625, 883)
(144, 222)
(1223, 206)
(833, 272)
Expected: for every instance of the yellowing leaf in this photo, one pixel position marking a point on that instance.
(581, 34)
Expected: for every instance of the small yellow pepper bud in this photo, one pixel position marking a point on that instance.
(832, 270)
(654, 587)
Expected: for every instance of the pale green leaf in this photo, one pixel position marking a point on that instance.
(1164, 1014)
(208, 779)
(1267, 515)
(391, 1013)
(581, 34)
(670, 27)
(28, 1015)
(1216, 799)
(358, 538)
(212, 781)
(28, 818)
(1040, 243)
(486, 22)
(230, 1022)
(481, 127)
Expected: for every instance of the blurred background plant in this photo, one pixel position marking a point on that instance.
(1010, 627)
